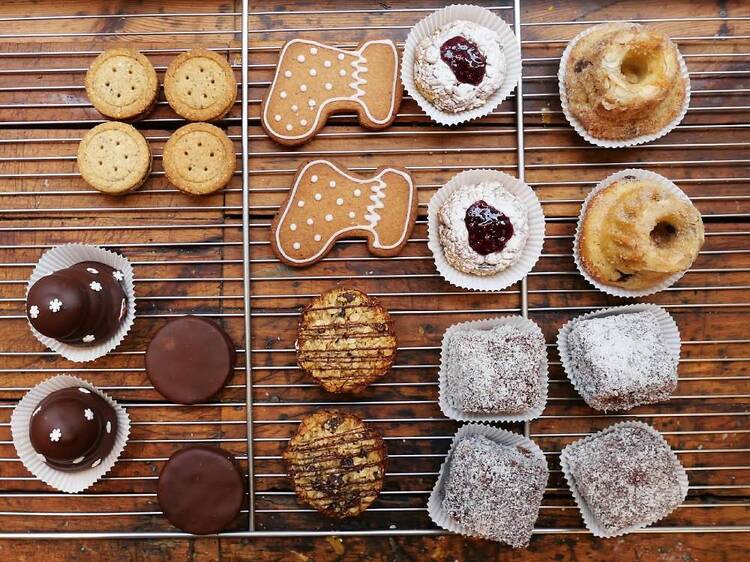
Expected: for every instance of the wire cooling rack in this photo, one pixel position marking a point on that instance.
(211, 256)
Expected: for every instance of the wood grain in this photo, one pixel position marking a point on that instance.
(188, 252)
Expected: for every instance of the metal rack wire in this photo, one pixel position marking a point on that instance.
(212, 257)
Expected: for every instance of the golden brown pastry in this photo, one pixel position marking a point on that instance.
(345, 340)
(624, 81)
(635, 233)
(336, 463)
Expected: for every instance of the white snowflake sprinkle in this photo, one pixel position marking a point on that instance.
(92, 270)
(88, 339)
(118, 275)
(55, 434)
(55, 305)
(34, 311)
(95, 286)
(88, 414)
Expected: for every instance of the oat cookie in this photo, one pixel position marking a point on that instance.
(345, 340)
(314, 80)
(199, 158)
(114, 158)
(122, 84)
(326, 203)
(200, 85)
(336, 463)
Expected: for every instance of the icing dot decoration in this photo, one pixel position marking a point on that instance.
(292, 226)
(352, 214)
(357, 192)
(318, 197)
(339, 201)
(296, 245)
(341, 56)
(317, 237)
(310, 221)
(313, 50)
(303, 122)
(277, 117)
(311, 102)
(295, 108)
(283, 94)
(303, 87)
(313, 178)
(332, 183)
(300, 58)
(329, 217)
(328, 86)
(313, 72)
(327, 64)
(342, 72)
(301, 203)
(288, 126)
(288, 73)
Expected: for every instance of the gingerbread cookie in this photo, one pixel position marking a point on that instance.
(114, 158)
(200, 85)
(122, 84)
(314, 80)
(326, 203)
(199, 158)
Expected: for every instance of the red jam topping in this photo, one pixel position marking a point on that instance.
(489, 229)
(465, 60)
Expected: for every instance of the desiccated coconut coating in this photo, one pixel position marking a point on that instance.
(494, 491)
(621, 361)
(494, 371)
(626, 475)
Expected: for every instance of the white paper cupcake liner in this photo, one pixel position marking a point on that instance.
(500, 436)
(68, 482)
(667, 327)
(519, 322)
(531, 252)
(480, 16)
(576, 124)
(588, 517)
(611, 289)
(61, 257)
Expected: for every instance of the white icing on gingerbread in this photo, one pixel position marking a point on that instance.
(378, 187)
(359, 67)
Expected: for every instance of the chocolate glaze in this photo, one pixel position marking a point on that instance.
(465, 60)
(489, 229)
(73, 429)
(190, 359)
(201, 489)
(81, 305)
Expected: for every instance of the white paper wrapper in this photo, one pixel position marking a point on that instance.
(611, 289)
(61, 257)
(576, 124)
(588, 517)
(668, 328)
(519, 322)
(531, 252)
(435, 502)
(68, 482)
(480, 16)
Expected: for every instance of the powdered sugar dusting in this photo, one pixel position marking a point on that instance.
(626, 475)
(494, 490)
(621, 361)
(494, 371)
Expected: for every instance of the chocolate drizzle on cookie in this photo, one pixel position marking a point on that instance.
(336, 463)
(345, 340)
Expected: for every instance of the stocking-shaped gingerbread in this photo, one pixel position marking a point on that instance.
(314, 80)
(326, 203)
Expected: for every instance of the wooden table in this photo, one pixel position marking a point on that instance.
(188, 258)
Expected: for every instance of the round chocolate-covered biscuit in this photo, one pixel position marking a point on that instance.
(80, 305)
(73, 429)
(201, 489)
(190, 359)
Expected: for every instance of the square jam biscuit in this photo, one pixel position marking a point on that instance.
(496, 371)
(624, 478)
(621, 361)
(494, 491)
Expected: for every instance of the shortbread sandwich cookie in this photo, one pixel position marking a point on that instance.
(200, 85)
(114, 158)
(122, 84)
(199, 158)
(314, 80)
(326, 203)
